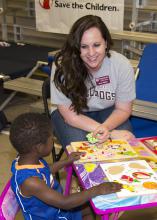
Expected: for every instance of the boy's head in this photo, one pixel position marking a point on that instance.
(29, 130)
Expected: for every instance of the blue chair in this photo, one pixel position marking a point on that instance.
(47, 68)
(146, 90)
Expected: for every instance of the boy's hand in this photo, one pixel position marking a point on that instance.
(74, 156)
(109, 187)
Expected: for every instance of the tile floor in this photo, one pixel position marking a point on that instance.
(20, 104)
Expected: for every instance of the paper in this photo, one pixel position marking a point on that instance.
(151, 143)
(137, 177)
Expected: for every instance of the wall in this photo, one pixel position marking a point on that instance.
(18, 23)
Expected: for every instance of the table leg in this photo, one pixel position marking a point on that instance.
(113, 216)
(69, 170)
(105, 217)
(116, 216)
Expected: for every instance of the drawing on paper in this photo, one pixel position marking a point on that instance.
(137, 177)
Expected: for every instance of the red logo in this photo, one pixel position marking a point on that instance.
(46, 4)
(102, 80)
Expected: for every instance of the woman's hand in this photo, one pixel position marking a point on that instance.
(122, 134)
(101, 133)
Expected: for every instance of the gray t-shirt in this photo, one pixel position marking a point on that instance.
(113, 82)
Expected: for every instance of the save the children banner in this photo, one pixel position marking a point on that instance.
(57, 16)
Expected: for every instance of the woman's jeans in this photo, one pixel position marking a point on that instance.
(67, 134)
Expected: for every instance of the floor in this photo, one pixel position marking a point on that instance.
(21, 103)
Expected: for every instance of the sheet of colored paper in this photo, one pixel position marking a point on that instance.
(151, 143)
(137, 177)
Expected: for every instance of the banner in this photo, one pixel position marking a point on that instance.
(57, 16)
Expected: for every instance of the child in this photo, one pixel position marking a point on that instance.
(38, 193)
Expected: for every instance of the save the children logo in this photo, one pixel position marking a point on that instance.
(46, 4)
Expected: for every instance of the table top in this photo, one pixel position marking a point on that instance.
(91, 174)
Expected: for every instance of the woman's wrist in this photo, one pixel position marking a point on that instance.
(106, 126)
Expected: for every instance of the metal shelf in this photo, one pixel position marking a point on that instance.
(145, 109)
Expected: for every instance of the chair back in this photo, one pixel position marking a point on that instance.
(8, 204)
(146, 89)
(46, 95)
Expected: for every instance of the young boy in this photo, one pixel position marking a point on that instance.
(38, 193)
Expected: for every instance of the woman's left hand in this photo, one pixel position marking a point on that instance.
(122, 134)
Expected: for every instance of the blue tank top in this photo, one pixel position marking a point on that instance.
(32, 207)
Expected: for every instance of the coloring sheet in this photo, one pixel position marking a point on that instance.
(109, 150)
(137, 177)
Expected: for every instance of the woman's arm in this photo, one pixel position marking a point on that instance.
(119, 115)
(78, 121)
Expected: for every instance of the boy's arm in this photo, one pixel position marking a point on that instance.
(34, 186)
(58, 165)
(62, 163)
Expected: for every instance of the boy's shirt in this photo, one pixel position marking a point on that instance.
(32, 207)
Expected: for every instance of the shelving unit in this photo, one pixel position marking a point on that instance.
(18, 23)
(143, 22)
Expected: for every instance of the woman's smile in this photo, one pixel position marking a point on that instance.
(92, 49)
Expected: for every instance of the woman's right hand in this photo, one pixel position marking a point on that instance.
(101, 133)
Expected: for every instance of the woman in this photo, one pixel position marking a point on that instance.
(93, 86)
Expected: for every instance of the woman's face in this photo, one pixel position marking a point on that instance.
(92, 48)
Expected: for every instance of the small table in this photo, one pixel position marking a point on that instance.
(104, 205)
